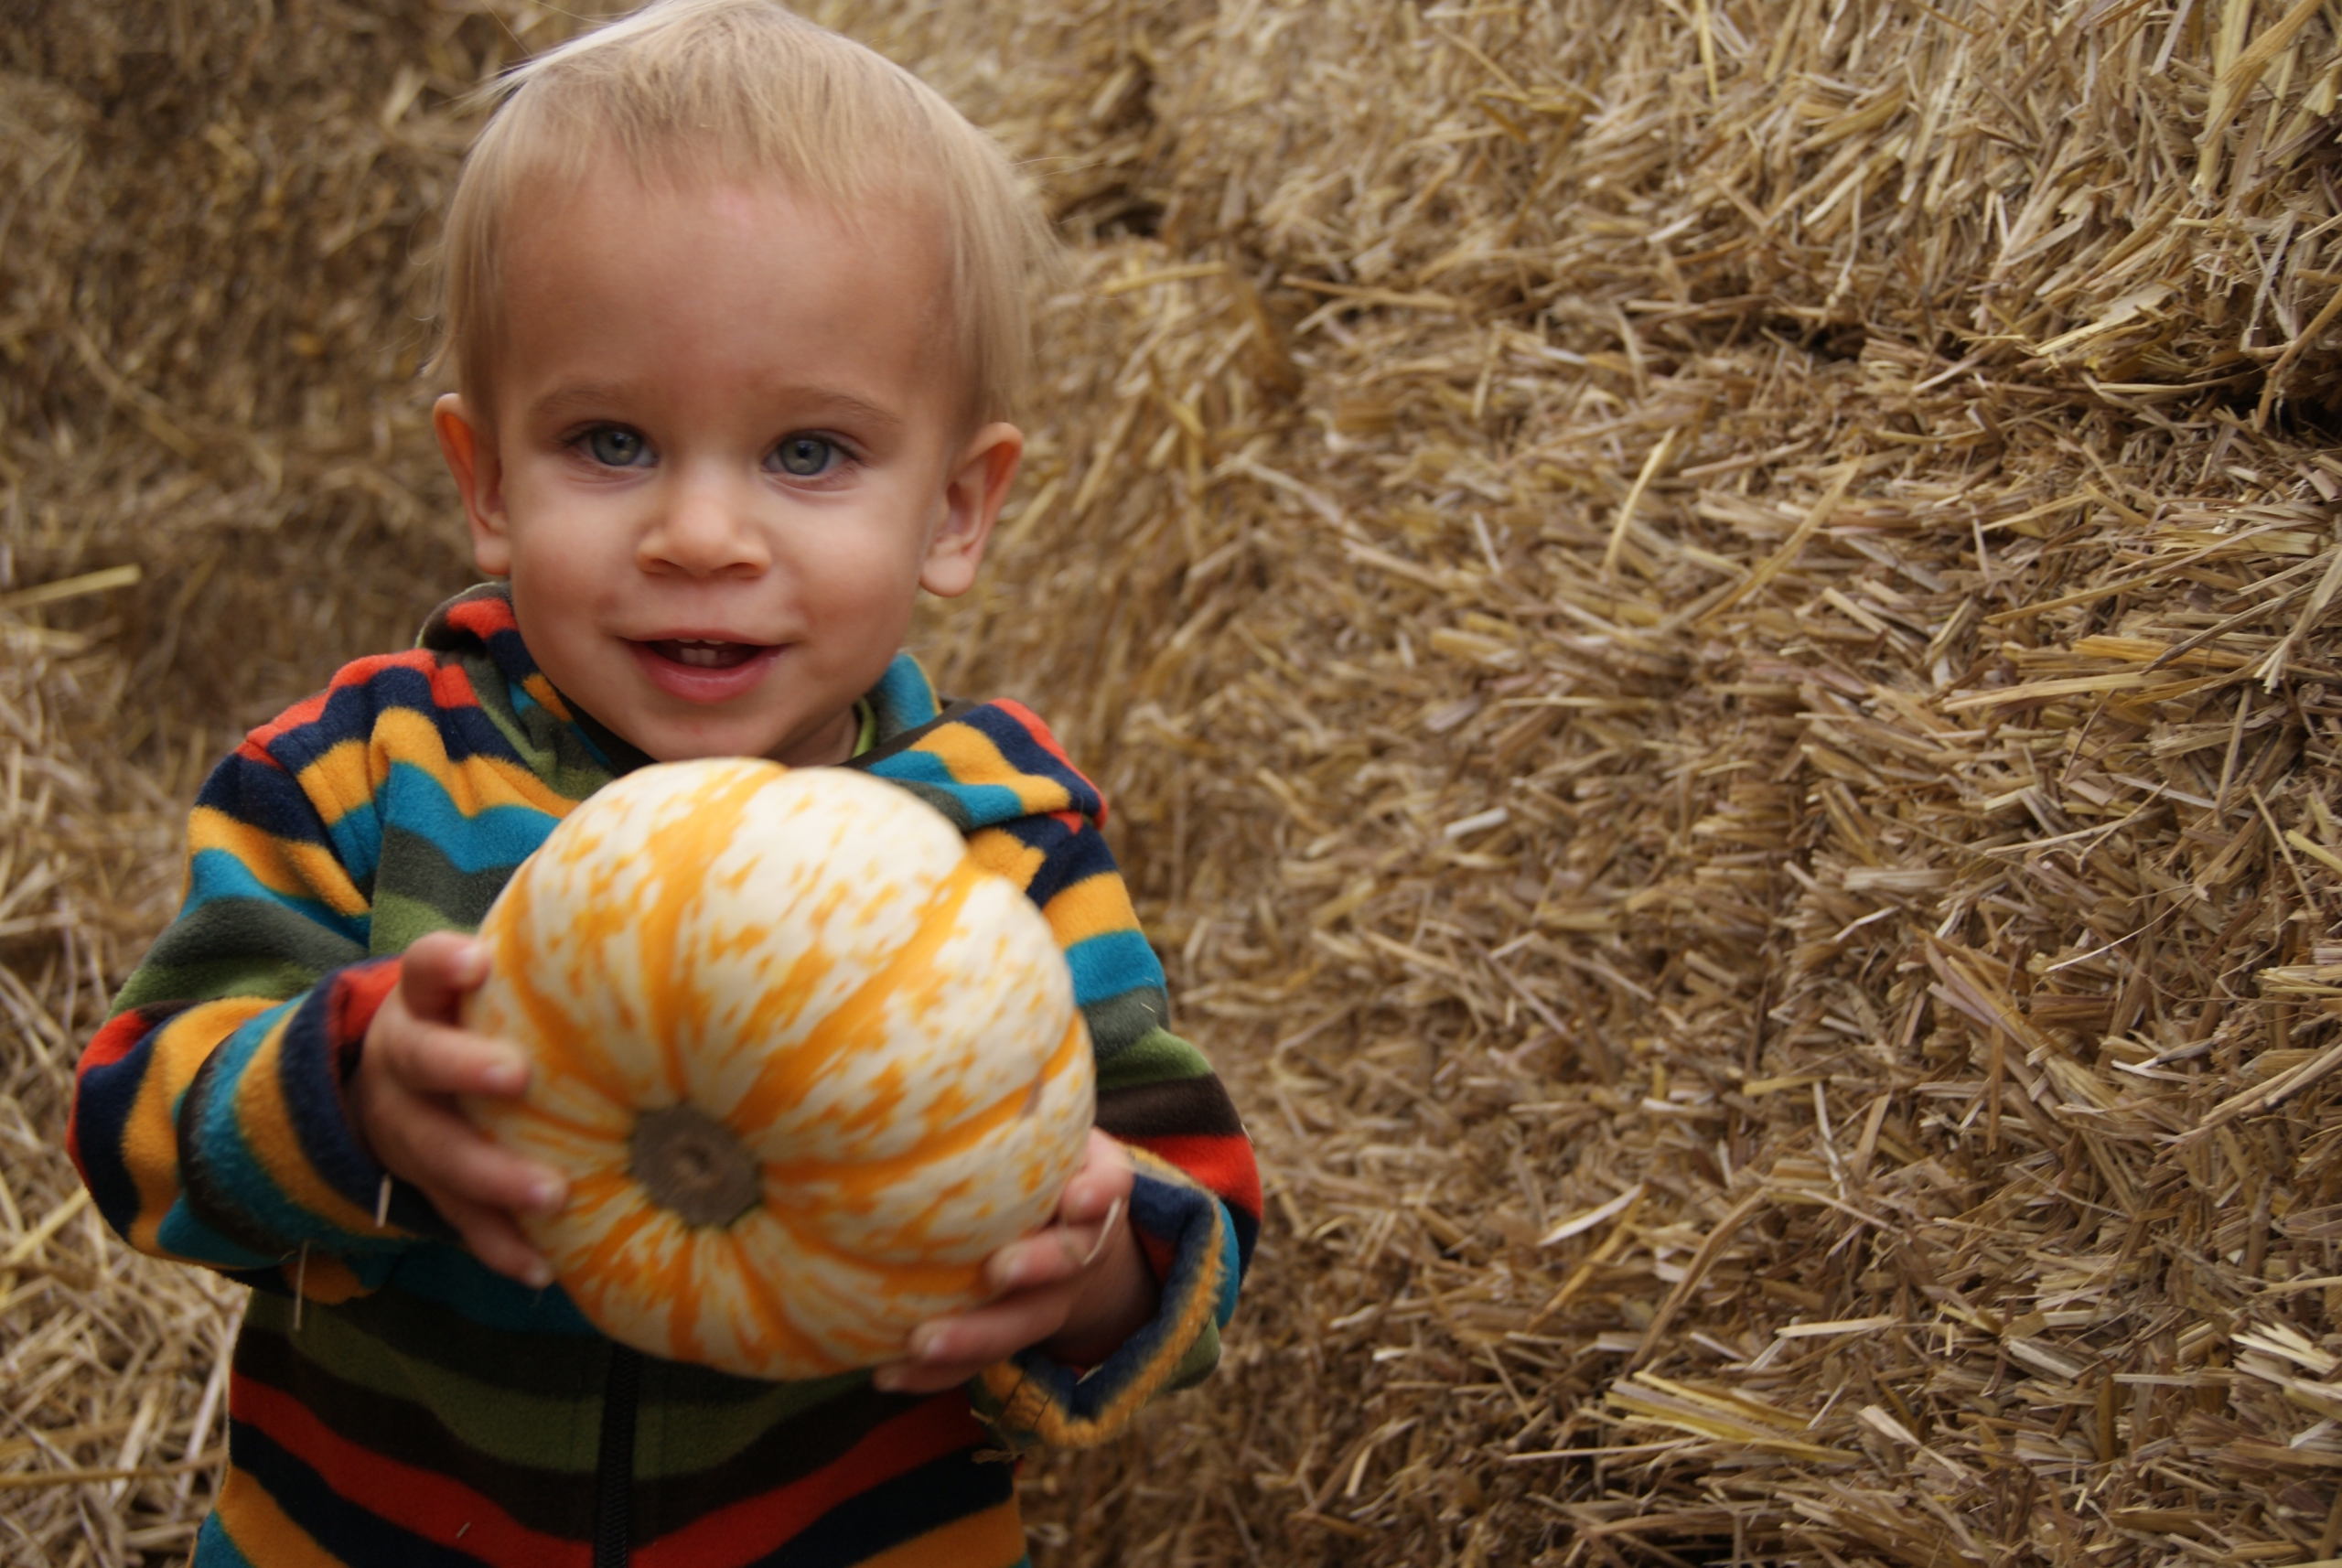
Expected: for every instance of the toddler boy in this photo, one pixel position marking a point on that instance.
(737, 312)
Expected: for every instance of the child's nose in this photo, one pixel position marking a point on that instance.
(706, 528)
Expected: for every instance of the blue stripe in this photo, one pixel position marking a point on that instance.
(903, 698)
(215, 1548)
(1111, 963)
(231, 1171)
(1231, 1266)
(452, 1277)
(984, 805)
(499, 836)
(214, 875)
(184, 1234)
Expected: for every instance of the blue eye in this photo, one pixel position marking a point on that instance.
(805, 455)
(615, 447)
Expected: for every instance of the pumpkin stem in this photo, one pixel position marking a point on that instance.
(689, 1161)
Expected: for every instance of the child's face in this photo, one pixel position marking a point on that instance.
(728, 446)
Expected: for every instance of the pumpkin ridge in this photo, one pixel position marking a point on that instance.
(713, 815)
(858, 1180)
(764, 1298)
(935, 1277)
(557, 1034)
(786, 1079)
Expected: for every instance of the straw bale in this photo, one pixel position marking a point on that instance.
(1709, 628)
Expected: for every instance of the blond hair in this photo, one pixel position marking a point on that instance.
(746, 89)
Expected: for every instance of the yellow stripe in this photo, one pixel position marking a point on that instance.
(322, 1278)
(993, 1538)
(261, 1531)
(1003, 853)
(973, 758)
(340, 780)
(474, 784)
(265, 1123)
(540, 690)
(288, 867)
(150, 1138)
(1092, 908)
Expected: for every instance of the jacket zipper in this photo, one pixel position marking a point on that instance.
(614, 1470)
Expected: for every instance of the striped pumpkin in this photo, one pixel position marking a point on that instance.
(804, 1064)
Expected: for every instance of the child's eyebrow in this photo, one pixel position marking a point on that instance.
(804, 401)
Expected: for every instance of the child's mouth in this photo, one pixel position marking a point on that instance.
(702, 654)
(704, 668)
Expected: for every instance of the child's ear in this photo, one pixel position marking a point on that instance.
(470, 451)
(972, 494)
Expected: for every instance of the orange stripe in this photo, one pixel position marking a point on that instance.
(1092, 908)
(993, 1538)
(973, 758)
(1003, 853)
(150, 1136)
(261, 1531)
(265, 1124)
(860, 1019)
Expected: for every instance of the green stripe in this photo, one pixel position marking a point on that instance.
(1126, 1020)
(211, 979)
(1156, 1056)
(1196, 1364)
(399, 919)
(545, 1432)
(680, 1436)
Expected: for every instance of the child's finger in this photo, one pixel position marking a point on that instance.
(1058, 1254)
(950, 1350)
(438, 1058)
(436, 971)
(492, 1238)
(464, 1165)
(1101, 1185)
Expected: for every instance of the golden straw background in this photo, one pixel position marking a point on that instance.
(1709, 624)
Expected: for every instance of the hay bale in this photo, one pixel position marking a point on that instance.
(1707, 624)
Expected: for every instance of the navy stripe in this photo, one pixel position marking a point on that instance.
(262, 794)
(309, 1077)
(359, 1538)
(103, 1098)
(1068, 857)
(1027, 755)
(941, 1491)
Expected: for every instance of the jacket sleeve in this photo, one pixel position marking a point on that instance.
(1196, 1203)
(208, 1120)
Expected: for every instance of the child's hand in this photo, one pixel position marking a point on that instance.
(414, 1062)
(1077, 1288)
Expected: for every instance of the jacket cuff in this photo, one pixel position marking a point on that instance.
(1033, 1399)
(271, 1161)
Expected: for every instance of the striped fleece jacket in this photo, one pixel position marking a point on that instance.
(393, 1401)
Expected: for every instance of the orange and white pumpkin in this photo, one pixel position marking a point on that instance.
(805, 1063)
